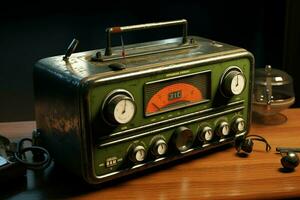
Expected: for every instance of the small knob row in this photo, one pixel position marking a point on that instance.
(138, 152)
(206, 133)
(183, 139)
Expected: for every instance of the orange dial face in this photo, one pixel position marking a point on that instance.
(173, 96)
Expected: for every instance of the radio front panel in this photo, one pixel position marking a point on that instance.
(193, 113)
(107, 113)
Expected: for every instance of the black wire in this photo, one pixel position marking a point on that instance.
(262, 139)
(35, 150)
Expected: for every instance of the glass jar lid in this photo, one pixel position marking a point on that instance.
(274, 77)
(273, 92)
(272, 86)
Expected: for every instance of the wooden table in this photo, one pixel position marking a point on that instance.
(217, 175)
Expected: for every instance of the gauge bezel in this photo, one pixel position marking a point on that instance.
(225, 73)
(108, 100)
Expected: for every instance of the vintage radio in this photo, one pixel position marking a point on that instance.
(111, 112)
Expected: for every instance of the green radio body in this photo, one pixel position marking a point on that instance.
(108, 116)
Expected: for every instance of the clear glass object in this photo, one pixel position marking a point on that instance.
(273, 92)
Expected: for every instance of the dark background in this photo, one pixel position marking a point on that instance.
(31, 30)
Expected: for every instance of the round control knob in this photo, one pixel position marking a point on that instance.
(119, 109)
(206, 134)
(138, 154)
(223, 129)
(233, 83)
(183, 138)
(159, 147)
(239, 125)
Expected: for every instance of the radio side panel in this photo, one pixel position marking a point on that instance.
(57, 115)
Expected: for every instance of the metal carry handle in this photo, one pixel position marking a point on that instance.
(109, 31)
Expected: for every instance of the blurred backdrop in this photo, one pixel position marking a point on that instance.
(31, 30)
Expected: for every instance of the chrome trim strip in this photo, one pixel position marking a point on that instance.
(138, 165)
(205, 145)
(172, 67)
(169, 120)
(172, 126)
(222, 140)
(159, 159)
(110, 174)
(179, 107)
(176, 77)
(240, 134)
(235, 102)
(189, 150)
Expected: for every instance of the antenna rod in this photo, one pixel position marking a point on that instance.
(70, 49)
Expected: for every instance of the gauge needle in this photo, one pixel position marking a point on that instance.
(124, 110)
(155, 106)
(237, 80)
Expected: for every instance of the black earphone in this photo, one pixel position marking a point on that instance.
(289, 160)
(244, 145)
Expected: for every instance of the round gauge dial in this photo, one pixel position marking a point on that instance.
(237, 84)
(120, 109)
(233, 83)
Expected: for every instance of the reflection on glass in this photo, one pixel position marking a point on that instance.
(273, 92)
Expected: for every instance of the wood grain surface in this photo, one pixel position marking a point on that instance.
(220, 174)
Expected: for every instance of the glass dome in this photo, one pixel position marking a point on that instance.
(273, 91)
